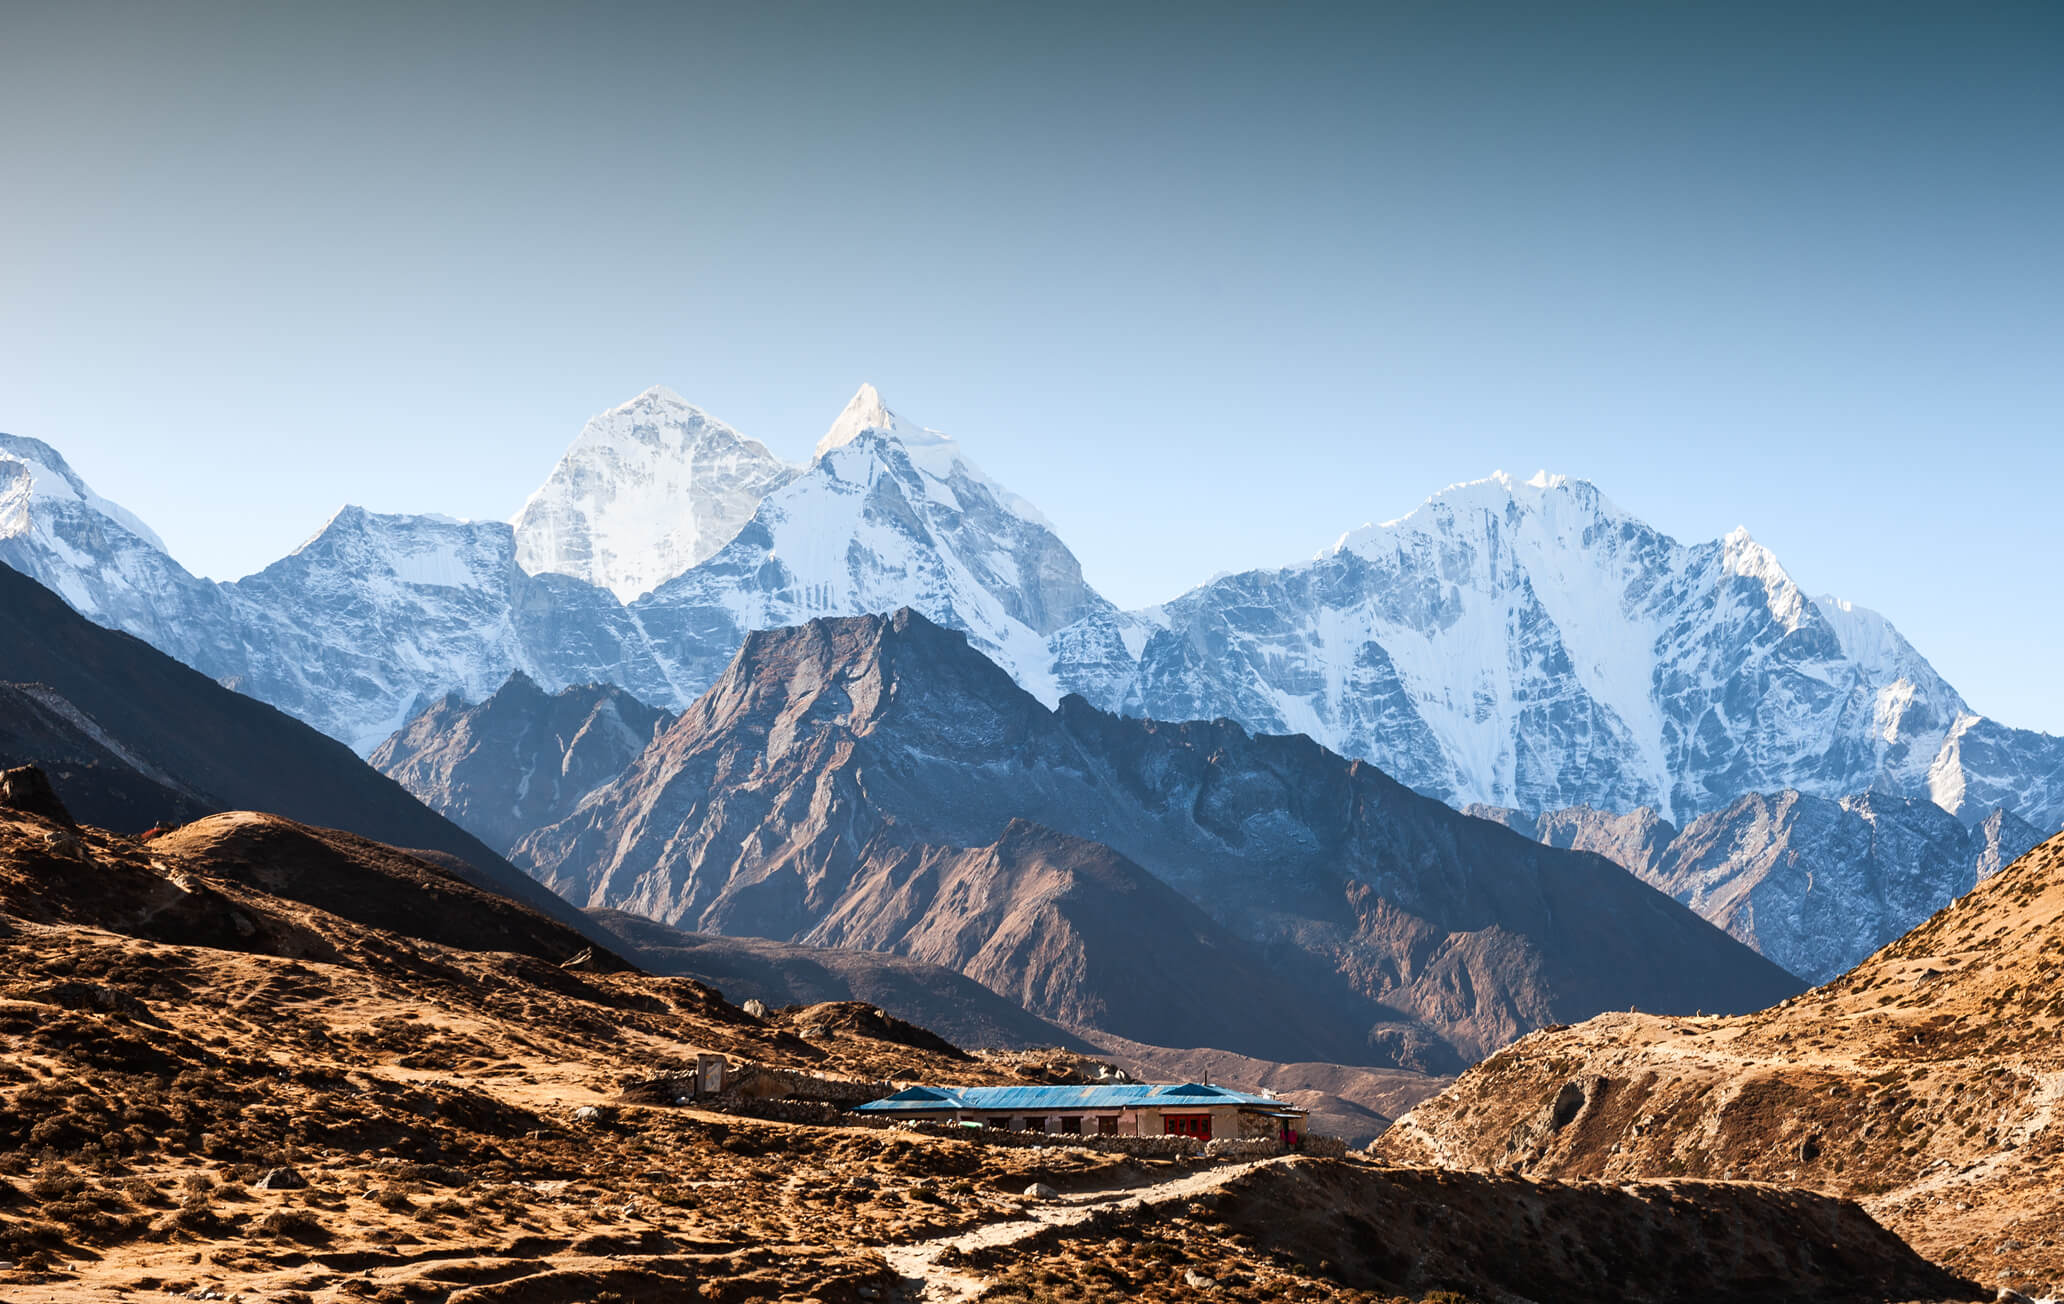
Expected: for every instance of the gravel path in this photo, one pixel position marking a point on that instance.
(925, 1278)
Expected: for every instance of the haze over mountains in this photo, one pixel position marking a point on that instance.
(1527, 645)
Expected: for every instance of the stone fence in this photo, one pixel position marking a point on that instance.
(760, 1082)
(747, 1087)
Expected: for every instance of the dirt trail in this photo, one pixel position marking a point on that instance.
(927, 1278)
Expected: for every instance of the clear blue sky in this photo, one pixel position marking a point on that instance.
(1208, 285)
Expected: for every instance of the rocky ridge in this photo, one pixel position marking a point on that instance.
(1531, 645)
(138, 739)
(876, 782)
(1815, 885)
(1524, 644)
(521, 759)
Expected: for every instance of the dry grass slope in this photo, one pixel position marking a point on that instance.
(1926, 1083)
(466, 1118)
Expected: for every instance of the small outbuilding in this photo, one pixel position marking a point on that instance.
(1189, 1109)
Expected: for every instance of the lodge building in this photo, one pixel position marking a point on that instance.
(1129, 1109)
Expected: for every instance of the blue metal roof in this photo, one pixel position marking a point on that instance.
(1129, 1095)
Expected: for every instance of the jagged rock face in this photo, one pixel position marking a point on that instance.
(1812, 884)
(801, 797)
(1530, 645)
(1985, 764)
(646, 491)
(1924, 1081)
(1999, 840)
(520, 760)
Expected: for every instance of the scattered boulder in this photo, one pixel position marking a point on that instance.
(756, 1007)
(1196, 1280)
(591, 1115)
(282, 1179)
(1041, 1191)
(27, 789)
(68, 845)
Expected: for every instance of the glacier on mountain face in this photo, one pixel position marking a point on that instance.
(888, 515)
(1530, 645)
(379, 615)
(647, 490)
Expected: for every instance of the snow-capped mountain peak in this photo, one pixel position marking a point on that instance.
(1531, 640)
(865, 411)
(1742, 555)
(32, 472)
(1558, 506)
(648, 489)
(933, 452)
(1519, 642)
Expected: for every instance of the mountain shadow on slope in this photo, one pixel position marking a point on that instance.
(101, 782)
(188, 743)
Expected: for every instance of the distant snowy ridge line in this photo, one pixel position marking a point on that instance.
(1517, 643)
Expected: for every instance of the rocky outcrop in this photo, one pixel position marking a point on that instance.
(27, 789)
(521, 759)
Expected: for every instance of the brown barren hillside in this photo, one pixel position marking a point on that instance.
(172, 1028)
(1419, 1234)
(1926, 1082)
(234, 1065)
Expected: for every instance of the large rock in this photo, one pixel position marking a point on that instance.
(27, 789)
